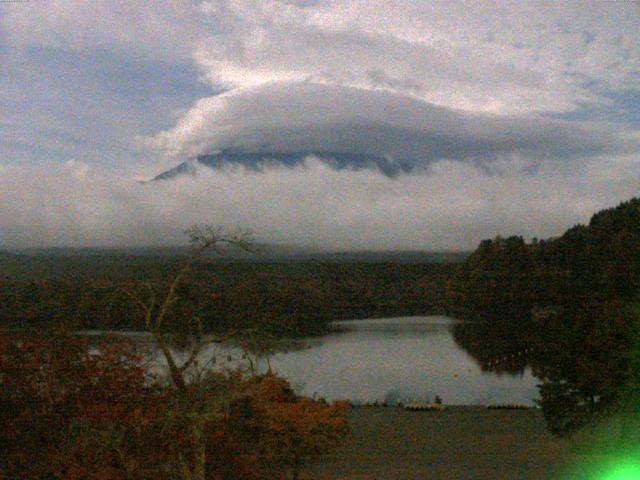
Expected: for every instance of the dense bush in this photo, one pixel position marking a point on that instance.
(74, 411)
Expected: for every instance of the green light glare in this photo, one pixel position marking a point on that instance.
(625, 470)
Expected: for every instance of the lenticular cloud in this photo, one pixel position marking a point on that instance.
(359, 124)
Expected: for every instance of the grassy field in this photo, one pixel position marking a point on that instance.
(461, 443)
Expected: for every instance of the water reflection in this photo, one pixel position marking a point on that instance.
(413, 358)
(393, 359)
(497, 347)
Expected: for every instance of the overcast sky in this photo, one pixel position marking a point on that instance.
(516, 118)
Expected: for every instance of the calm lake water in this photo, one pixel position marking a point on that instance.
(410, 358)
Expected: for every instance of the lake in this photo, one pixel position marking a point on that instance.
(390, 359)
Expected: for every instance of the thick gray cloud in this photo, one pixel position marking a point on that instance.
(303, 116)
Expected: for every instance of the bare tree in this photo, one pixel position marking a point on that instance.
(157, 308)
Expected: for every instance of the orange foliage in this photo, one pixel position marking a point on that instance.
(74, 412)
(68, 411)
(276, 432)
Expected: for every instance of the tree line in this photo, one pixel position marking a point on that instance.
(286, 298)
(569, 302)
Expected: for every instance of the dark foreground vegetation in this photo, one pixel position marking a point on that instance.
(74, 413)
(567, 307)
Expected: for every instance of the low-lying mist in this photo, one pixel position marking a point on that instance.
(448, 205)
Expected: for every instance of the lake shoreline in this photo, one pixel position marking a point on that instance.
(383, 360)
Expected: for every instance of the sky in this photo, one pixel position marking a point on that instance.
(517, 118)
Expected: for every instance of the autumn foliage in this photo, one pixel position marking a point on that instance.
(70, 410)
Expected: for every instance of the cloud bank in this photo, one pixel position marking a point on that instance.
(511, 117)
(409, 81)
(450, 205)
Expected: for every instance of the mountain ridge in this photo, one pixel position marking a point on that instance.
(257, 160)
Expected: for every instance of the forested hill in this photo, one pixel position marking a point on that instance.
(570, 303)
(290, 297)
(594, 263)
